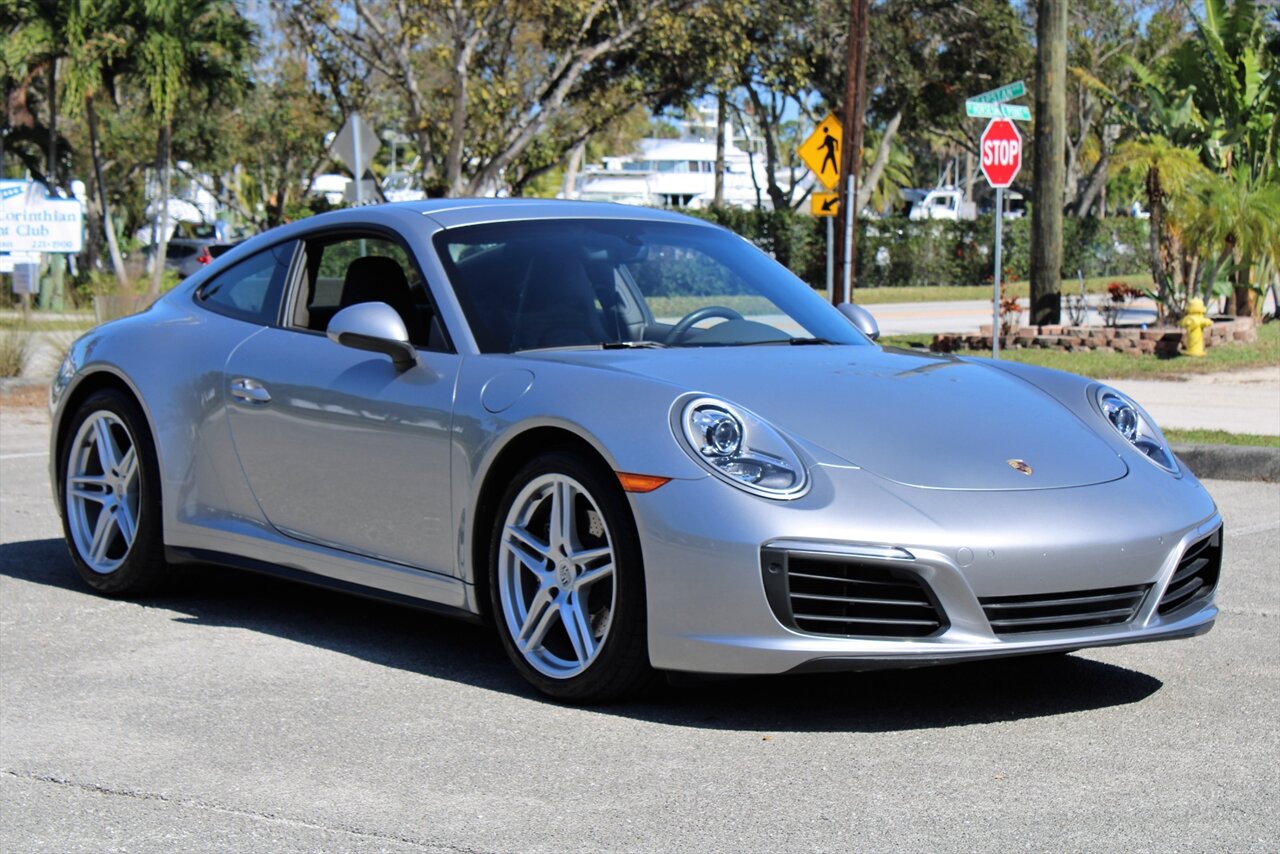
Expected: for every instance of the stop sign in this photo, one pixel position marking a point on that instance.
(1001, 152)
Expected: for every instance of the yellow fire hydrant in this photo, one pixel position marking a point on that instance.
(1195, 323)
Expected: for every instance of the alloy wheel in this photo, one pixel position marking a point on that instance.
(103, 491)
(556, 576)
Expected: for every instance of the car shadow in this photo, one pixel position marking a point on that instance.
(426, 644)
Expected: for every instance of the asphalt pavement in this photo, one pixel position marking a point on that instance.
(240, 713)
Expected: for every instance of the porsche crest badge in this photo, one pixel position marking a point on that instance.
(1019, 466)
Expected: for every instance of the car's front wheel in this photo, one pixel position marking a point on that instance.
(110, 495)
(567, 581)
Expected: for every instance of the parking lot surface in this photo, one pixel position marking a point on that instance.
(242, 713)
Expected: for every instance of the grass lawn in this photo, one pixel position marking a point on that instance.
(940, 293)
(1220, 437)
(1225, 357)
(36, 324)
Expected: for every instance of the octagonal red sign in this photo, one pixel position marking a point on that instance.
(1001, 149)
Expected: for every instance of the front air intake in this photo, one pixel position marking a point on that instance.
(848, 597)
(1047, 612)
(1196, 577)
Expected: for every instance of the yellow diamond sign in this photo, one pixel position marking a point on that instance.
(821, 151)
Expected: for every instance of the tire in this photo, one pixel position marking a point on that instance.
(568, 596)
(109, 496)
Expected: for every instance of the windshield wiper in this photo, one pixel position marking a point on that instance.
(633, 345)
(795, 342)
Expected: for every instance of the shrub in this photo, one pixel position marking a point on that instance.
(15, 348)
(896, 252)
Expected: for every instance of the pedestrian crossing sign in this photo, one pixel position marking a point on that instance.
(821, 151)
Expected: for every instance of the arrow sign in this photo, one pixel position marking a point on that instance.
(993, 110)
(824, 204)
(1004, 93)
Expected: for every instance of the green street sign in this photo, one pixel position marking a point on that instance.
(1004, 93)
(989, 110)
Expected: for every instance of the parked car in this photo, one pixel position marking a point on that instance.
(188, 255)
(628, 439)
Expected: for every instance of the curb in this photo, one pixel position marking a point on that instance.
(1230, 462)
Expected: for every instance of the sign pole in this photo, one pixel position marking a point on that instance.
(995, 287)
(831, 258)
(849, 213)
(359, 171)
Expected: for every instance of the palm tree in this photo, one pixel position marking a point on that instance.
(1238, 220)
(1168, 171)
(99, 46)
(194, 48)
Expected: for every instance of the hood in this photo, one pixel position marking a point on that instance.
(917, 419)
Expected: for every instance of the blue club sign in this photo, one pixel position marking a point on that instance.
(31, 221)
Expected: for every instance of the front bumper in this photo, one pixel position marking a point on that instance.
(709, 610)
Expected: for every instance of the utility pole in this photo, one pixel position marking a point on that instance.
(1050, 153)
(855, 107)
(722, 110)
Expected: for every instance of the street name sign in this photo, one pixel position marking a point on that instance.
(1001, 150)
(1004, 93)
(821, 151)
(992, 110)
(824, 204)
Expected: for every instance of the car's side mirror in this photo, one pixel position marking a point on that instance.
(376, 327)
(861, 319)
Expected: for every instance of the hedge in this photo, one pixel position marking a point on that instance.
(896, 252)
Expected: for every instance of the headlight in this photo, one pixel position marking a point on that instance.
(739, 448)
(1136, 426)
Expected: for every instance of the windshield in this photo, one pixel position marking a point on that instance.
(623, 283)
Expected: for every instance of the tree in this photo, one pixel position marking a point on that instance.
(1216, 98)
(928, 56)
(186, 48)
(1236, 220)
(492, 93)
(1102, 36)
(98, 42)
(1048, 165)
(1168, 172)
(32, 46)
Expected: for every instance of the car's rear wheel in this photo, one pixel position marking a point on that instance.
(567, 581)
(110, 496)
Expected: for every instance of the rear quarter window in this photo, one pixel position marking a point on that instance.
(250, 290)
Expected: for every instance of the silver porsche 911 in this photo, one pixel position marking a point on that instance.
(630, 440)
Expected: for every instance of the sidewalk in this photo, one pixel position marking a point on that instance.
(1239, 401)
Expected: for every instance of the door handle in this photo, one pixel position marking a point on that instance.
(250, 391)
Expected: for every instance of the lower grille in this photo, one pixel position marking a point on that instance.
(843, 596)
(1045, 612)
(1196, 576)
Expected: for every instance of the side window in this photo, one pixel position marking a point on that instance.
(251, 289)
(346, 271)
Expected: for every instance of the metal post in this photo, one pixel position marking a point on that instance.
(849, 214)
(995, 286)
(355, 147)
(831, 258)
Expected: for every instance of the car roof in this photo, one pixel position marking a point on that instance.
(454, 213)
(451, 213)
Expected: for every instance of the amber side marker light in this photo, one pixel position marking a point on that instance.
(640, 482)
